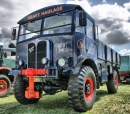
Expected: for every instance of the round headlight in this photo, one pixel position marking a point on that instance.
(44, 61)
(20, 62)
(61, 62)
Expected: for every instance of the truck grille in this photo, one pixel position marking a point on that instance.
(41, 52)
(31, 55)
(36, 53)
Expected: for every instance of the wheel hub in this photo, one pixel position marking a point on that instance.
(1, 86)
(88, 88)
(115, 81)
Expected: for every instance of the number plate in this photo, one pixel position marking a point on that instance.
(37, 79)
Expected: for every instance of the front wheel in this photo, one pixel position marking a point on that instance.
(82, 90)
(112, 84)
(5, 85)
(20, 86)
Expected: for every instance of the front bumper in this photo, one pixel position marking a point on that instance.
(49, 72)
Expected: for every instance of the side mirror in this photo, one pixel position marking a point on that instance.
(96, 32)
(13, 34)
(82, 18)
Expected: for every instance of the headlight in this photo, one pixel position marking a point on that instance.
(44, 60)
(20, 62)
(61, 62)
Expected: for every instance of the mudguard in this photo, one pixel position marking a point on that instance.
(76, 68)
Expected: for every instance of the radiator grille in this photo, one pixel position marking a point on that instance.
(35, 54)
(31, 55)
(41, 52)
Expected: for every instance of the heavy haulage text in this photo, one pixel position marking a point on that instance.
(36, 15)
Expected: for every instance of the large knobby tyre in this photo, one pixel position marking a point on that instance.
(20, 86)
(5, 85)
(82, 90)
(112, 84)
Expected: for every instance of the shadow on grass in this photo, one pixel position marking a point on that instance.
(56, 104)
(101, 93)
(104, 92)
(50, 104)
(125, 83)
(53, 103)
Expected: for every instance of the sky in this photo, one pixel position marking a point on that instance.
(111, 16)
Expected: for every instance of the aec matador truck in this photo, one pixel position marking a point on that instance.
(57, 50)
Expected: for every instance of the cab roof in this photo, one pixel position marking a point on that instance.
(48, 11)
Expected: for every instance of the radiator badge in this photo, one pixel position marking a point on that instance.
(80, 44)
(31, 49)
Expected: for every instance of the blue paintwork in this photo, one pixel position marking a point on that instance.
(102, 58)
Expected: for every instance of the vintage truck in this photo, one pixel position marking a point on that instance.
(124, 70)
(57, 49)
(7, 61)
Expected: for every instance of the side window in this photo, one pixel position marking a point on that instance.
(78, 27)
(89, 29)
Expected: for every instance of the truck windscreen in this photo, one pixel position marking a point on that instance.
(30, 30)
(59, 23)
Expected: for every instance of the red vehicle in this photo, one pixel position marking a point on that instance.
(5, 67)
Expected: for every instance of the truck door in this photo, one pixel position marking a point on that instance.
(90, 40)
(80, 51)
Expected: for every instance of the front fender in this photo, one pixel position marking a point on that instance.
(76, 68)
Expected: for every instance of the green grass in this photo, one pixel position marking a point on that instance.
(105, 103)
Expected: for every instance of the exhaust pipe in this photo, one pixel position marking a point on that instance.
(51, 89)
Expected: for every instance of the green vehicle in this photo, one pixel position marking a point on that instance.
(125, 68)
(7, 61)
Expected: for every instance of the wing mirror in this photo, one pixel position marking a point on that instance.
(14, 33)
(82, 18)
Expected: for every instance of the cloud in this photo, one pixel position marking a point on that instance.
(1, 36)
(104, 1)
(6, 32)
(6, 4)
(84, 3)
(125, 52)
(5, 37)
(117, 37)
(113, 20)
(11, 11)
(113, 24)
(127, 5)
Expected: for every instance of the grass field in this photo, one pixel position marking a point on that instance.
(105, 103)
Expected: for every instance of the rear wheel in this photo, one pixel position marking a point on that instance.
(112, 84)
(82, 90)
(20, 86)
(5, 85)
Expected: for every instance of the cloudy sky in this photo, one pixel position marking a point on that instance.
(112, 17)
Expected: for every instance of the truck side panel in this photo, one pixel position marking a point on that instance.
(108, 54)
(114, 57)
(101, 51)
